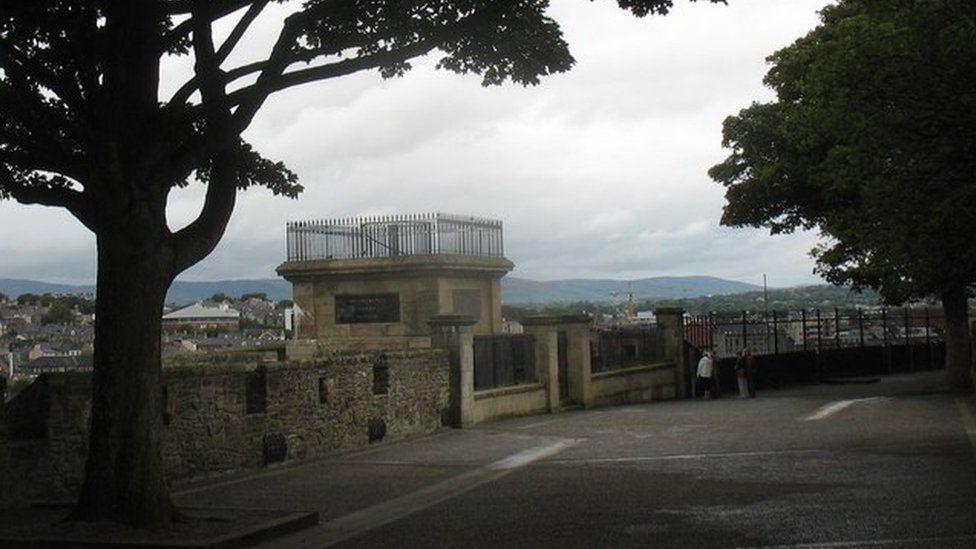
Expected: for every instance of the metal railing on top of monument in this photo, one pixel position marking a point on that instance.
(394, 235)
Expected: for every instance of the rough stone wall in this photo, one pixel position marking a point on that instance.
(312, 408)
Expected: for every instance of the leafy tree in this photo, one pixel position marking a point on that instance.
(58, 313)
(28, 299)
(256, 295)
(4, 297)
(285, 303)
(83, 127)
(871, 140)
(220, 297)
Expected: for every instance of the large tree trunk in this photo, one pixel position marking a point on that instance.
(124, 477)
(959, 373)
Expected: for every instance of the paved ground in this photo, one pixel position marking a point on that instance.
(890, 464)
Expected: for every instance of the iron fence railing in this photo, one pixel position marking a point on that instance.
(778, 332)
(625, 346)
(394, 235)
(503, 360)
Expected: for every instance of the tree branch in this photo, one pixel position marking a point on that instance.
(242, 25)
(198, 239)
(9, 55)
(331, 70)
(63, 197)
(184, 28)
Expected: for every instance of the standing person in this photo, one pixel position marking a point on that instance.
(742, 372)
(705, 371)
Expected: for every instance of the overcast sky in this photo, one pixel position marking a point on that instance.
(600, 172)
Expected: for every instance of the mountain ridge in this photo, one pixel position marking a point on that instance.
(515, 290)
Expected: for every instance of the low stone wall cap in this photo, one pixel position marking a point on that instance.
(582, 318)
(452, 320)
(542, 320)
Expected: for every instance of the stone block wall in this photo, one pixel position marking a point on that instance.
(635, 385)
(218, 419)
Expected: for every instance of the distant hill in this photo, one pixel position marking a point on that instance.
(514, 290)
(522, 291)
(181, 292)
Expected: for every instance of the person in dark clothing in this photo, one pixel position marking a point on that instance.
(742, 373)
(750, 366)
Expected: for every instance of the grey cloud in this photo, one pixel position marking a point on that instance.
(599, 172)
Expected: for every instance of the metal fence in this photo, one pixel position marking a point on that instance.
(781, 332)
(817, 345)
(394, 235)
(626, 346)
(503, 360)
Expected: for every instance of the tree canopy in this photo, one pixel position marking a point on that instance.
(871, 141)
(58, 313)
(79, 89)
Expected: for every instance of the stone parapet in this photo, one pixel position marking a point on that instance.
(226, 413)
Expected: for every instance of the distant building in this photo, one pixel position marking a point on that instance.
(48, 364)
(511, 326)
(42, 350)
(645, 317)
(202, 317)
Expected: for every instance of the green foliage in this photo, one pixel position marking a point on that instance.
(77, 303)
(220, 297)
(4, 297)
(251, 324)
(58, 313)
(285, 303)
(18, 385)
(870, 140)
(28, 299)
(787, 299)
(256, 295)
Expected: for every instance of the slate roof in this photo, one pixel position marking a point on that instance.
(199, 311)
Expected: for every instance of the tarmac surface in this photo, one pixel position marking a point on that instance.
(889, 464)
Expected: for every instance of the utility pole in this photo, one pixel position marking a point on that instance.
(766, 317)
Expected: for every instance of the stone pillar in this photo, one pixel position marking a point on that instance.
(672, 320)
(577, 329)
(545, 329)
(454, 334)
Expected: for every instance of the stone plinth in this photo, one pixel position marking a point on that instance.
(453, 334)
(672, 319)
(394, 298)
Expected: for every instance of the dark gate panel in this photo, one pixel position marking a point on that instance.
(503, 360)
(563, 366)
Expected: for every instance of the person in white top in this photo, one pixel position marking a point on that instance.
(705, 371)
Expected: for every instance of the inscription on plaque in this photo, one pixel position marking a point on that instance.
(367, 308)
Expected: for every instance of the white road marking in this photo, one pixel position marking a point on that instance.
(348, 526)
(675, 457)
(968, 422)
(913, 542)
(537, 423)
(526, 457)
(834, 407)
(763, 453)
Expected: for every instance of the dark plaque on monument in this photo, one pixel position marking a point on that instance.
(367, 308)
